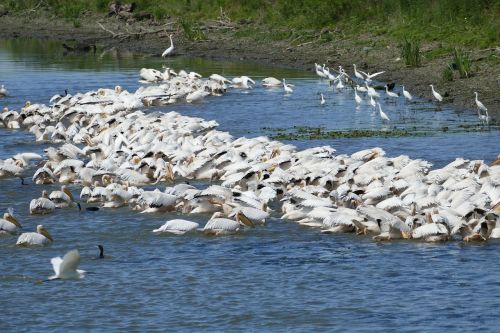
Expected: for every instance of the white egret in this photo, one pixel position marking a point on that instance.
(390, 93)
(358, 74)
(65, 268)
(322, 99)
(407, 94)
(480, 105)
(382, 113)
(170, 49)
(436, 94)
(356, 97)
(287, 87)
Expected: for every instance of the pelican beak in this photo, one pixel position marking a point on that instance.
(405, 235)
(272, 168)
(495, 162)
(13, 220)
(170, 172)
(44, 232)
(68, 192)
(245, 220)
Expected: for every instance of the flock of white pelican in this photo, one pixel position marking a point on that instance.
(106, 144)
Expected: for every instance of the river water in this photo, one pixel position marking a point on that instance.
(277, 278)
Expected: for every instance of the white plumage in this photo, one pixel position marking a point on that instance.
(178, 227)
(66, 268)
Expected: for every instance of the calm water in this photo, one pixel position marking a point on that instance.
(281, 277)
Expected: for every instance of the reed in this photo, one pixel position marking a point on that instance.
(410, 52)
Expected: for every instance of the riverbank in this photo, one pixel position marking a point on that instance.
(245, 41)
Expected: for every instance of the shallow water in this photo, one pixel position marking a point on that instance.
(281, 277)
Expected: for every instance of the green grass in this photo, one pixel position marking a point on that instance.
(410, 52)
(462, 63)
(468, 23)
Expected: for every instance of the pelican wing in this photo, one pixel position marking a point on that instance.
(429, 229)
(221, 224)
(178, 226)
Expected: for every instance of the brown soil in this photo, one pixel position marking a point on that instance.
(371, 53)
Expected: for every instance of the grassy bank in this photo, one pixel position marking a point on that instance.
(470, 23)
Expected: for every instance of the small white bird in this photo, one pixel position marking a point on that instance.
(66, 267)
(436, 94)
(170, 49)
(322, 99)
(390, 93)
(406, 94)
(480, 105)
(372, 102)
(287, 87)
(357, 74)
(382, 113)
(3, 91)
(357, 98)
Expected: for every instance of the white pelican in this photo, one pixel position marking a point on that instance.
(242, 82)
(66, 267)
(178, 227)
(218, 225)
(62, 198)
(3, 91)
(407, 94)
(40, 237)
(382, 113)
(436, 94)
(9, 224)
(42, 205)
(170, 49)
(287, 87)
(271, 82)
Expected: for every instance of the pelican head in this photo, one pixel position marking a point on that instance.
(67, 191)
(42, 231)
(241, 218)
(118, 89)
(9, 217)
(45, 194)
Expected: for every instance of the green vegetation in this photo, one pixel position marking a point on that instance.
(410, 52)
(469, 23)
(320, 133)
(462, 63)
(191, 31)
(448, 73)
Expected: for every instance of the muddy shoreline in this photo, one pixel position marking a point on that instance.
(370, 53)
